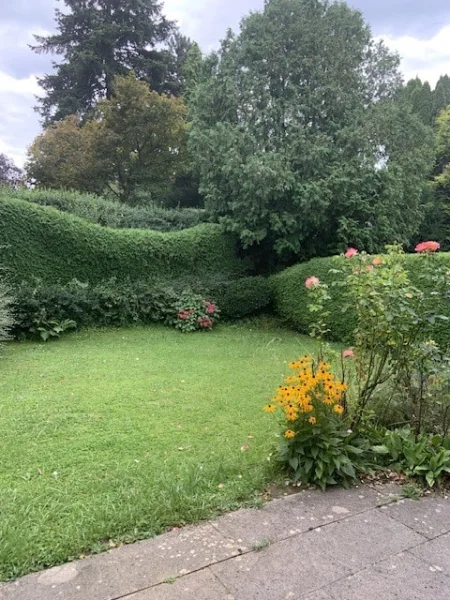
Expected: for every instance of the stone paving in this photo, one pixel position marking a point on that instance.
(358, 544)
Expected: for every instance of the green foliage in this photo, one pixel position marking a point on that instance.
(241, 297)
(65, 156)
(421, 99)
(296, 158)
(110, 213)
(141, 139)
(58, 247)
(291, 298)
(425, 457)
(7, 316)
(191, 312)
(48, 330)
(138, 140)
(316, 447)
(99, 40)
(322, 456)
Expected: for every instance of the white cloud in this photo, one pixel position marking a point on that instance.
(425, 58)
(18, 123)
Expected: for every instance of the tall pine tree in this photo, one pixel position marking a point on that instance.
(99, 39)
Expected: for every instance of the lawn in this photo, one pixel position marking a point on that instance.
(112, 436)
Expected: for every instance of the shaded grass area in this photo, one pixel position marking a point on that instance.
(112, 436)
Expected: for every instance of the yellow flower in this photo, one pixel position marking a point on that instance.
(270, 408)
(312, 420)
(338, 409)
(289, 434)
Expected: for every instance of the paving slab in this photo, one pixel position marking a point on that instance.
(197, 586)
(428, 516)
(126, 570)
(436, 553)
(295, 514)
(401, 577)
(287, 570)
(365, 539)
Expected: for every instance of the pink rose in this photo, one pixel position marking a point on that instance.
(427, 247)
(351, 252)
(210, 309)
(312, 282)
(348, 353)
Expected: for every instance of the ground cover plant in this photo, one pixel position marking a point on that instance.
(112, 436)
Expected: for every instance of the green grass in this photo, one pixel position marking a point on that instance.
(112, 436)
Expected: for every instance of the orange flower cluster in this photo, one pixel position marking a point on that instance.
(309, 384)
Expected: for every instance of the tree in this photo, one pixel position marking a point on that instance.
(136, 140)
(65, 156)
(421, 98)
(99, 39)
(290, 136)
(144, 137)
(9, 173)
(441, 96)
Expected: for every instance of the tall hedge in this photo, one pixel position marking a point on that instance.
(37, 241)
(110, 213)
(290, 297)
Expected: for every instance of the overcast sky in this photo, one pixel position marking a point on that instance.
(418, 29)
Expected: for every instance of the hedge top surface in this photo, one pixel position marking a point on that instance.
(42, 242)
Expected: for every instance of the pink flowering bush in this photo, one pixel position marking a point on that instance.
(394, 357)
(192, 313)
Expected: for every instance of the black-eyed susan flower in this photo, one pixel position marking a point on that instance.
(270, 408)
(289, 434)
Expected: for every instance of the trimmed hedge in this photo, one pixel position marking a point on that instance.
(290, 298)
(108, 213)
(42, 242)
(242, 297)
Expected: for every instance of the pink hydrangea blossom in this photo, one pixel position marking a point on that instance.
(427, 247)
(351, 252)
(312, 282)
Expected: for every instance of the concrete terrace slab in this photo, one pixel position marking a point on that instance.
(401, 577)
(436, 553)
(348, 540)
(430, 516)
(338, 545)
(197, 586)
(295, 514)
(286, 570)
(128, 569)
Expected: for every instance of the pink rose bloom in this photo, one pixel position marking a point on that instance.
(427, 247)
(348, 353)
(210, 309)
(312, 282)
(351, 252)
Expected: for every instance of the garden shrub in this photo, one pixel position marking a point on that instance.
(242, 297)
(45, 311)
(291, 297)
(56, 247)
(109, 213)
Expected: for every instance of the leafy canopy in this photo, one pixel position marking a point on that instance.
(137, 138)
(100, 39)
(296, 140)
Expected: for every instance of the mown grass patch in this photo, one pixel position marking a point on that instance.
(112, 436)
